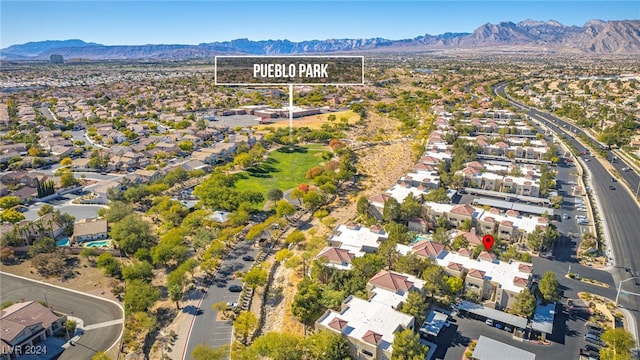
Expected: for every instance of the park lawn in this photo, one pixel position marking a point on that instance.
(282, 170)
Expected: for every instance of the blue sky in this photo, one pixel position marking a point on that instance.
(192, 22)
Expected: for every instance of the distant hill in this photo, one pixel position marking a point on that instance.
(595, 37)
(34, 49)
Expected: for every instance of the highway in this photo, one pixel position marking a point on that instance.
(92, 310)
(618, 206)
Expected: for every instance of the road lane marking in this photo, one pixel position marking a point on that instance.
(102, 324)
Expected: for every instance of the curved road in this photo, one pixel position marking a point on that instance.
(95, 312)
(619, 206)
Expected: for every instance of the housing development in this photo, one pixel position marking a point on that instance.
(459, 204)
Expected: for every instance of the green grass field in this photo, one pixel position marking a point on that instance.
(283, 169)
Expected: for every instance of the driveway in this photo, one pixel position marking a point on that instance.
(97, 314)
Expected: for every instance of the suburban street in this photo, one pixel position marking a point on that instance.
(620, 209)
(96, 313)
(206, 330)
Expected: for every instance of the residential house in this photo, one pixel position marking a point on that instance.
(336, 258)
(89, 229)
(26, 323)
(358, 240)
(392, 288)
(368, 326)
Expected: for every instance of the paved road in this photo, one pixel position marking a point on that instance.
(90, 309)
(206, 330)
(619, 207)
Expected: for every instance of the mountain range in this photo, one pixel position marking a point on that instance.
(596, 37)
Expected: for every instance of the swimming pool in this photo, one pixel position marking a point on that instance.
(421, 237)
(63, 242)
(99, 243)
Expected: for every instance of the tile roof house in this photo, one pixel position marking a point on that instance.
(368, 326)
(428, 249)
(26, 323)
(336, 257)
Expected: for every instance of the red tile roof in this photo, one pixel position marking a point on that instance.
(464, 209)
(506, 223)
(372, 337)
(472, 238)
(455, 266)
(525, 268)
(465, 252)
(427, 248)
(512, 212)
(487, 256)
(379, 198)
(336, 255)
(478, 274)
(17, 317)
(391, 281)
(338, 324)
(521, 282)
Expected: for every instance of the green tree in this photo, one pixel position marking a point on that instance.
(66, 162)
(109, 264)
(459, 242)
(285, 208)
(203, 352)
(620, 342)
(410, 208)
(525, 304)
(67, 179)
(466, 225)
(407, 346)
(275, 194)
(362, 206)
(438, 195)
(116, 211)
(186, 146)
(454, 285)
(411, 264)
(278, 346)
(255, 277)
(11, 215)
(243, 160)
(101, 355)
(132, 233)
(295, 237)
(326, 345)
(140, 270)
(44, 245)
(312, 200)
(434, 279)
(549, 287)
(45, 209)
(7, 202)
(416, 306)
(305, 305)
(140, 296)
(391, 210)
(244, 325)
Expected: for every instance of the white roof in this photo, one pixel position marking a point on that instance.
(498, 271)
(355, 239)
(490, 349)
(400, 192)
(362, 316)
(438, 207)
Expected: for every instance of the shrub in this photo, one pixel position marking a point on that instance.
(319, 214)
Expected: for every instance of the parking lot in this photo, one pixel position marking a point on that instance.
(63, 204)
(565, 342)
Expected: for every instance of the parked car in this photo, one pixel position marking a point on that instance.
(489, 322)
(235, 288)
(232, 305)
(565, 217)
(592, 328)
(594, 339)
(611, 187)
(248, 258)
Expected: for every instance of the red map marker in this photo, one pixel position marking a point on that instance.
(487, 241)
